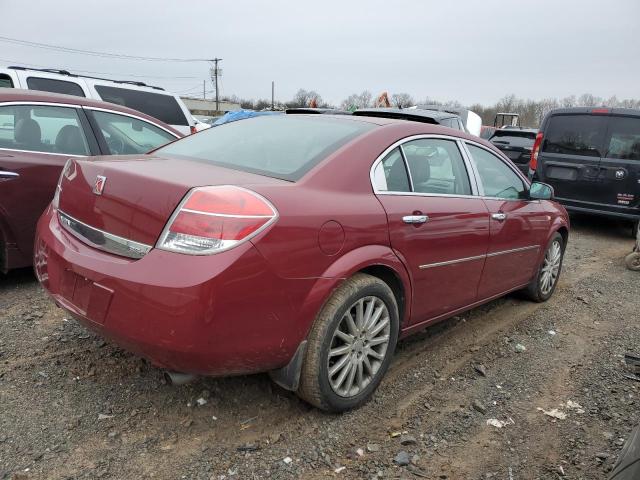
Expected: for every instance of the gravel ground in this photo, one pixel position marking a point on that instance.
(74, 406)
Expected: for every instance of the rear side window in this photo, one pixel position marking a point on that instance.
(390, 175)
(280, 146)
(436, 167)
(127, 135)
(623, 138)
(42, 129)
(5, 81)
(513, 140)
(54, 86)
(160, 106)
(575, 135)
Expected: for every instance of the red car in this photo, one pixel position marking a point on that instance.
(302, 245)
(38, 132)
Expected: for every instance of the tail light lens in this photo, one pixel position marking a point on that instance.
(533, 163)
(193, 129)
(68, 171)
(213, 219)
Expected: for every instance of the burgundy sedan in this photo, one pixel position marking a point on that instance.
(39, 131)
(301, 245)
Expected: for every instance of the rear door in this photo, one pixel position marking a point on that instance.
(569, 157)
(35, 143)
(620, 164)
(437, 224)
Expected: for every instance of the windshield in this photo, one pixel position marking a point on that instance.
(514, 139)
(277, 146)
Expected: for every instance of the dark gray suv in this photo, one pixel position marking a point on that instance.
(591, 157)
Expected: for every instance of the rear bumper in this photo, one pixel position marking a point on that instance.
(600, 209)
(211, 315)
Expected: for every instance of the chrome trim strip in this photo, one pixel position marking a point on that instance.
(35, 102)
(116, 112)
(45, 153)
(451, 262)
(513, 250)
(102, 240)
(478, 257)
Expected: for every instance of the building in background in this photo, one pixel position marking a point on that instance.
(199, 106)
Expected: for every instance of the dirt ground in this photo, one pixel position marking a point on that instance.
(74, 406)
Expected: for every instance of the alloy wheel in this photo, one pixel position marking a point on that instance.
(550, 267)
(358, 346)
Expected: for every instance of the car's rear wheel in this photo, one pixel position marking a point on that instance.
(544, 284)
(350, 345)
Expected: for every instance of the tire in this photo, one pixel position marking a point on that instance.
(628, 465)
(632, 261)
(537, 290)
(634, 229)
(350, 347)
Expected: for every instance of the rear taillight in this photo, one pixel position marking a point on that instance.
(533, 163)
(600, 111)
(68, 171)
(213, 219)
(193, 129)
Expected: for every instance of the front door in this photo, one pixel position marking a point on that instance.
(518, 225)
(437, 226)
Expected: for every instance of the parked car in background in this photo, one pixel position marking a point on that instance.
(591, 156)
(154, 101)
(472, 121)
(303, 245)
(434, 117)
(39, 132)
(516, 143)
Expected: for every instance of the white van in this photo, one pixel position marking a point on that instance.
(153, 101)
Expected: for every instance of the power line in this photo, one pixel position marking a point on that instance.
(23, 64)
(119, 56)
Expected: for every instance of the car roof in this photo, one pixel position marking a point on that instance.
(20, 95)
(322, 111)
(595, 111)
(416, 114)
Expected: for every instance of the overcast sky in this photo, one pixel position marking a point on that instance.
(466, 50)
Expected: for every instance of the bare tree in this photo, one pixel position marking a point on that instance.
(402, 100)
(303, 98)
(357, 100)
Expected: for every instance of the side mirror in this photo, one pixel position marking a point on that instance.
(540, 191)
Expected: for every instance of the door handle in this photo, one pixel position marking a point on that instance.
(501, 217)
(413, 219)
(8, 175)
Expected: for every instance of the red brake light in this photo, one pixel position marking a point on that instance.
(213, 219)
(601, 111)
(193, 129)
(533, 163)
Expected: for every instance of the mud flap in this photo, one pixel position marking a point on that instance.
(288, 377)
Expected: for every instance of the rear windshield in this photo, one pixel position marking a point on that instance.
(54, 86)
(514, 139)
(575, 135)
(279, 146)
(161, 106)
(623, 139)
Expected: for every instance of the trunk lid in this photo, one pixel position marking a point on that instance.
(139, 193)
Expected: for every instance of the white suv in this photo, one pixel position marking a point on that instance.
(153, 101)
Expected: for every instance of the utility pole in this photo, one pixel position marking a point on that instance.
(273, 87)
(215, 73)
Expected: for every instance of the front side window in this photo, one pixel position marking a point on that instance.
(390, 175)
(158, 105)
(5, 81)
(623, 138)
(436, 166)
(497, 178)
(54, 86)
(575, 135)
(42, 129)
(127, 135)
